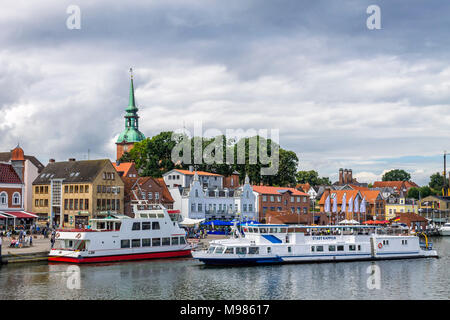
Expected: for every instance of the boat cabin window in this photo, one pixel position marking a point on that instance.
(145, 225)
(219, 250)
(136, 226)
(263, 230)
(117, 226)
(144, 215)
(359, 247)
(273, 230)
(241, 250)
(155, 225)
(340, 248)
(269, 249)
(135, 243)
(313, 248)
(166, 241)
(100, 225)
(331, 248)
(182, 240)
(156, 242)
(283, 230)
(160, 215)
(229, 250)
(211, 249)
(253, 250)
(289, 249)
(125, 243)
(319, 248)
(146, 242)
(175, 241)
(152, 215)
(352, 247)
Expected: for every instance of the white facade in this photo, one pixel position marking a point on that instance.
(30, 174)
(176, 177)
(197, 202)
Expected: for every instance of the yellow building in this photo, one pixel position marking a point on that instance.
(395, 205)
(70, 193)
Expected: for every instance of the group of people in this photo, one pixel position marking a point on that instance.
(196, 233)
(24, 239)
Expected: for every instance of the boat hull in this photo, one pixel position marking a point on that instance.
(123, 257)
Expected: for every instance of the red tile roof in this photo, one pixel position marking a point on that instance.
(305, 186)
(8, 174)
(276, 190)
(200, 173)
(123, 167)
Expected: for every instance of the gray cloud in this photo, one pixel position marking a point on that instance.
(341, 95)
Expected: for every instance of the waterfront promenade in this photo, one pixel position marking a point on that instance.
(37, 252)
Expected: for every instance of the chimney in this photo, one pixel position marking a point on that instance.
(71, 159)
(341, 176)
(51, 161)
(350, 176)
(345, 176)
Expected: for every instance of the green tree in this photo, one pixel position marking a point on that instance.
(312, 177)
(396, 175)
(421, 192)
(436, 182)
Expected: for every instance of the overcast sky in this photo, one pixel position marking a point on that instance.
(340, 94)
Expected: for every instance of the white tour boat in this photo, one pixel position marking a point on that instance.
(266, 243)
(445, 229)
(150, 234)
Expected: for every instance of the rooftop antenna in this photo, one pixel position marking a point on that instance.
(88, 154)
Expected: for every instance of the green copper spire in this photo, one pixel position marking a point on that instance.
(131, 103)
(131, 132)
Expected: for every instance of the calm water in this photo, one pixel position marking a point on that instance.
(188, 279)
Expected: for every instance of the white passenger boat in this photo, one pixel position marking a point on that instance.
(265, 243)
(445, 230)
(150, 234)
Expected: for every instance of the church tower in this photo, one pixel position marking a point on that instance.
(131, 134)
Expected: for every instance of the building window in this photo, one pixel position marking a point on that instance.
(81, 204)
(279, 198)
(81, 189)
(305, 210)
(292, 199)
(250, 208)
(150, 196)
(76, 204)
(156, 195)
(86, 204)
(16, 198)
(200, 209)
(66, 204)
(76, 189)
(36, 190)
(46, 202)
(71, 204)
(264, 198)
(272, 198)
(71, 189)
(86, 188)
(3, 199)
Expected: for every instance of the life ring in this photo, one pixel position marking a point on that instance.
(380, 245)
(57, 235)
(78, 236)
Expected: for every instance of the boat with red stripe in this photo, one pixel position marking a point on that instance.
(150, 234)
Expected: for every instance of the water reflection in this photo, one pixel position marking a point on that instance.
(189, 279)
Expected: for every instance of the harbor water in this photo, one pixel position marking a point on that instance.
(189, 279)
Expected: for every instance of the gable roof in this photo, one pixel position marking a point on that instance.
(123, 167)
(6, 157)
(8, 174)
(371, 195)
(71, 171)
(277, 190)
(131, 182)
(340, 195)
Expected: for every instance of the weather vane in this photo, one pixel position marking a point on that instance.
(131, 71)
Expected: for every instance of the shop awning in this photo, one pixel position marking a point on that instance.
(3, 216)
(21, 214)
